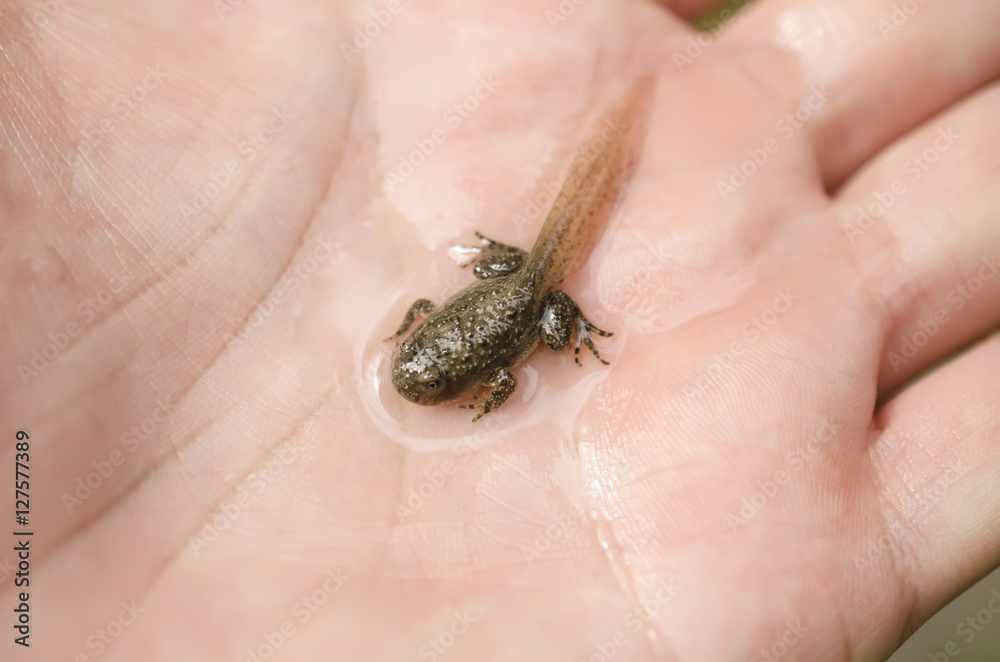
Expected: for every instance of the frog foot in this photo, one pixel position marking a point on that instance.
(563, 324)
(420, 308)
(492, 258)
(504, 384)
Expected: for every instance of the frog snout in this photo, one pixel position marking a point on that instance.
(419, 384)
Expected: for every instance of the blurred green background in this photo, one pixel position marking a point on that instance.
(947, 637)
(975, 642)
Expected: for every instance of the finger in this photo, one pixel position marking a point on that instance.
(922, 222)
(887, 65)
(937, 468)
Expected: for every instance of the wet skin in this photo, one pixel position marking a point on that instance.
(475, 339)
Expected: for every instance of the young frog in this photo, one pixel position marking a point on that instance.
(475, 339)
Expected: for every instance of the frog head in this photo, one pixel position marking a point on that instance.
(419, 375)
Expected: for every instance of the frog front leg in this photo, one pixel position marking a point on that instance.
(493, 258)
(560, 318)
(420, 308)
(504, 383)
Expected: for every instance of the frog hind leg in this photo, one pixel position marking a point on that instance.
(561, 320)
(492, 259)
(420, 308)
(504, 383)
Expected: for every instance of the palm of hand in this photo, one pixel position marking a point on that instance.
(215, 223)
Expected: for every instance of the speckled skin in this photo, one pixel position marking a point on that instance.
(475, 339)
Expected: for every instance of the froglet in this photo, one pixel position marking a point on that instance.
(474, 340)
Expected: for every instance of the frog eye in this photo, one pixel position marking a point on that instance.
(432, 384)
